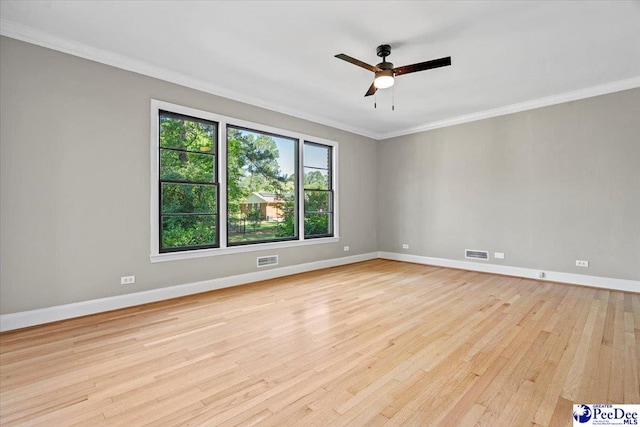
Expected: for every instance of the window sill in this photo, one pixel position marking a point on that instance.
(176, 256)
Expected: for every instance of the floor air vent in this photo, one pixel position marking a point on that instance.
(264, 261)
(473, 254)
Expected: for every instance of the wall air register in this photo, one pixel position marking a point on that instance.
(265, 261)
(474, 254)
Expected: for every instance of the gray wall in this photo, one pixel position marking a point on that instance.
(75, 182)
(546, 187)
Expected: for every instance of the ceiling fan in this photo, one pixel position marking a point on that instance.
(385, 72)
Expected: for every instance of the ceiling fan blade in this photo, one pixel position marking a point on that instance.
(371, 91)
(357, 62)
(421, 66)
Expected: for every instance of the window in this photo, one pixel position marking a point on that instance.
(318, 191)
(222, 185)
(261, 173)
(188, 183)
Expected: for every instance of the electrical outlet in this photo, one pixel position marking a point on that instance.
(498, 255)
(127, 280)
(346, 248)
(405, 246)
(581, 263)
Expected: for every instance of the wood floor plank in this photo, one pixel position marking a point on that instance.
(368, 344)
(616, 376)
(557, 365)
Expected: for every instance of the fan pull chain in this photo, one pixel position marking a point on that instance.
(393, 98)
(375, 99)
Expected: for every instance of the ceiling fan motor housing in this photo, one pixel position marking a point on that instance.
(383, 50)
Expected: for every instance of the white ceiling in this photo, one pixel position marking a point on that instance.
(507, 55)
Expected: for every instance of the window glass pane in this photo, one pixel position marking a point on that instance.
(186, 133)
(261, 223)
(318, 205)
(184, 166)
(261, 186)
(317, 201)
(188, 211)
(188, 198)
(316, 179)
(317, 156)
(318, 224)
(188, 230)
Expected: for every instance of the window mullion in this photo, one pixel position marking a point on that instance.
(222, 180)
(300, 212)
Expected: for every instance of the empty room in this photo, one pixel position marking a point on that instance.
(319, 213)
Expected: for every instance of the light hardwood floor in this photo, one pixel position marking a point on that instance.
(373, 343)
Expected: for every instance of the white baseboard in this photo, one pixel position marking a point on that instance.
(529, 273)
(25, 319)
(67, 311)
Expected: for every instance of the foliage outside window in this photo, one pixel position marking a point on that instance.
(188, 183)
(276, 186)
(318, 190)
(261, 187)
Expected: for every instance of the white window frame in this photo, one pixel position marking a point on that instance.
(221, 159)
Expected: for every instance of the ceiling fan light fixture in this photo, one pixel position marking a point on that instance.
(385, 72)
(384, 79)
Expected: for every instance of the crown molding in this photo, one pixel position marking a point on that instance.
(575, 95)
(40, 38)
